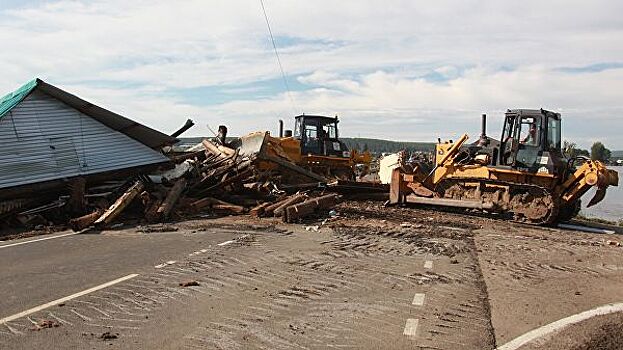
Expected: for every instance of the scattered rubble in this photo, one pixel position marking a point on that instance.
(211, 179)
(189, 284)
(109, 336)
(45, 324)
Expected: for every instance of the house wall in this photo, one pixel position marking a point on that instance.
(44, 139)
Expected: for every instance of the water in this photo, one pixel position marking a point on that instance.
(611, 208)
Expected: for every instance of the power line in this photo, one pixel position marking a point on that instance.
(283, 74)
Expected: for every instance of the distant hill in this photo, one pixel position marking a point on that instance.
(358, 143)
(617, 154)
(381, 146)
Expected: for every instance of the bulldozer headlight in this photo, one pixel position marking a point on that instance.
(346, 154)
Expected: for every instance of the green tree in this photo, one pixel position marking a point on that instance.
(571, 150)
(600, 152)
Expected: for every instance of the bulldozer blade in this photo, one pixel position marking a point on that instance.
(251, 144)
(613, 177)
(598, 197)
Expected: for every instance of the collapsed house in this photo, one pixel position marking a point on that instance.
(52, 140)
(66, 162)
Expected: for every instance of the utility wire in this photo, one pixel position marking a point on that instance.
(283, 74)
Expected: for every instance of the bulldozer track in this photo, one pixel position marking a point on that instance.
(551, 205)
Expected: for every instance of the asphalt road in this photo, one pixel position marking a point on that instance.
(41, 271)
(375, 278)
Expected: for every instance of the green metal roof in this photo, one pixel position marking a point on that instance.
(7, 102)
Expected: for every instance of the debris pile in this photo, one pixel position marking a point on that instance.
(214, 178)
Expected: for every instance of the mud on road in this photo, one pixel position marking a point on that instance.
(372, 278)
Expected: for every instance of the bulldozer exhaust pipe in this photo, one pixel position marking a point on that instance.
(280, 128)
(483, 133)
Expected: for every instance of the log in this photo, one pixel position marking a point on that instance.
(212, 148)
(310, 206)
(295, 200)
(120, 204)
(80, 223)
(271, 208)
(216, 204)
(218, 150)
(258, 211)
(169, 202)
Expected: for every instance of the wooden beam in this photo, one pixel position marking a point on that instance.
(310, 206)
(174, 194)
(271, 208)
(258, 211)
(80, 223)
(216, 204)
(120, 204)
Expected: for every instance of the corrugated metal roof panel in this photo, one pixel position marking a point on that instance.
(46, 139)
(139, 132)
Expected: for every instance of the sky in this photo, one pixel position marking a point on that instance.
(399, 70)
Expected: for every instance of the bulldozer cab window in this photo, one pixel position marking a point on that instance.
(311, 132)
(529, 131)
(330, 131)
(553, 134)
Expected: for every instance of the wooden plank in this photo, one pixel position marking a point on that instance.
(258, 211)
(172, 197)
(271, 208)
(310, 206)
(80, 223)
(294, 200)
(120, 204)
(216, 204)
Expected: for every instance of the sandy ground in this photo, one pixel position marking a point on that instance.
(371, 278)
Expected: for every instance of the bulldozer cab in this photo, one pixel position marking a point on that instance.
(531, 141)
(319, 136)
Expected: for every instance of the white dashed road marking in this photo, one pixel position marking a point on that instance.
(428, 264)
(225, 243)
(65, 299)
(418, 299)
(411, 327)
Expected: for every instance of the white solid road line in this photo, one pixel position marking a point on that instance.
(65, 299)
(38, 240)
(418, 299)
(411, 327)
(562, 323)
(428, 264)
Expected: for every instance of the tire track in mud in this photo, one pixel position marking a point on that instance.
(126, 306)
(347, 295)
(349, 288)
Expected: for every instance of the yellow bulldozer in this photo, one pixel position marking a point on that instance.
(314, 146)
(524, 175)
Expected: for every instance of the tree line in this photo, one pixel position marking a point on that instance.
(597, 152)
(385, 146)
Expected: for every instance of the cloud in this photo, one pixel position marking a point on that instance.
(399, 70)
